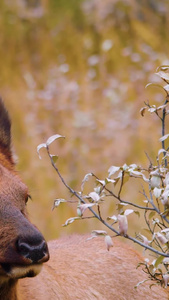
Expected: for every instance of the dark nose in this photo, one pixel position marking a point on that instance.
(34, 249)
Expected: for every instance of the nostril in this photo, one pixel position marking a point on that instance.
(34, 250)
(23, 248)
(44, 247)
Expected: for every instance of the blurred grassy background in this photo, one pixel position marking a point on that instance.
(79, 68)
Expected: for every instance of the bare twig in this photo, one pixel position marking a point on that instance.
(99, 217)
(163, 131)
(121, 185)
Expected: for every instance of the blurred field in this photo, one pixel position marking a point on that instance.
(79, 68)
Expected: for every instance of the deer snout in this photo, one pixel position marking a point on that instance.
(33, 249)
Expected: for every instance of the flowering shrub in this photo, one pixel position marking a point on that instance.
(155, 193)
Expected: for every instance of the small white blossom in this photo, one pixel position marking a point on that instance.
(108, 241)
(155, 181)
(123, 224)
(166, 280)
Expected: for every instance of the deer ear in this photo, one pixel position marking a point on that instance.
(5, 130)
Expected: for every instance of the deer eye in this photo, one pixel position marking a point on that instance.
(27, 198)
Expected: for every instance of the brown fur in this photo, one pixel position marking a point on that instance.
(22, 247)
(78, 269)
(84, 269)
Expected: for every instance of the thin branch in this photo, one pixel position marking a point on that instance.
(99, 218)
(162, 220)
(156, 112)
(152, 231)
(99, 212)
(163, 131)
(151, 275)
(129, 203)
(123, 201)
(150, 162)
(121, 185)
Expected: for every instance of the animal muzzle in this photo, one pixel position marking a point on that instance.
(24, 257)
(32, 250)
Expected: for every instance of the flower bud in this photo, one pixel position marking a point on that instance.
(161, 238)
(123, 224)
(166, 280)
(108, 241)
(166, 261)
(166, 180)
(155, 181)
(165, 197)
(146, 242)
(79, 212)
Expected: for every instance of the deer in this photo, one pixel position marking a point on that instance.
(78, 268)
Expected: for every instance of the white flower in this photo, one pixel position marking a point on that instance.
(161, 238)
(108, 241)
(155, 181)
(166, 280)
(123, 224)
(165, 198)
